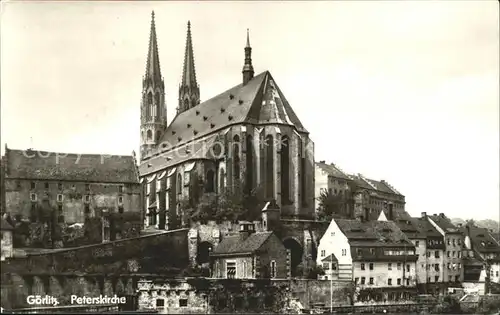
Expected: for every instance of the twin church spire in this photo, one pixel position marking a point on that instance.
(189, 90)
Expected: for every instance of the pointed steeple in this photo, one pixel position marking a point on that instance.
(153, 64)
(247, 67)
(189, 73)
(189, 91)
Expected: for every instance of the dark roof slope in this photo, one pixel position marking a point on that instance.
(330, 258)
(234, 245)
(373, 233)
(332, 170)
(444, 223)
(32, 164)
(425, 227)
(372, 184)
(481, 239)
(5, 226)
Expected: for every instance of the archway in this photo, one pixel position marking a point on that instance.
(296, 252)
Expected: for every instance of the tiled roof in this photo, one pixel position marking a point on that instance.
(425, 227)
(409, 226)
(4, 225)
(260, 101)
(234, 245)
(332, 170)
(199, 149)
(444, 223)
(481, 239)
(373, 233)
(371, 184)
(330, 258)
(102, 168)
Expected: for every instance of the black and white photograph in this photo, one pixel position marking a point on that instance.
(251, 157)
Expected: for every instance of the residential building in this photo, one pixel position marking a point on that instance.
(452, 263)
(480, 243)
(7, 242)
(431, 261)
(250, 254)
(330, 266)
(69, 187)
(247, 137)
(370, 253)
(371, 196)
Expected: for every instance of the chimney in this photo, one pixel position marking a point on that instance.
(322, 162)
(271, 214)
(424, 215)
(441, 215)
(246, 228)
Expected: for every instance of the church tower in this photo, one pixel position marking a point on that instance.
(247, 67)
(189, 90)
(153, 110)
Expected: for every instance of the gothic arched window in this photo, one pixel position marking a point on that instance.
(210, 182)
(249, 166)
(222, 180)
(236, 157)
(150, 135)
(285, 170)
(149, 110)
(262, 159)
(157, 103)
(270, 166)
(302, 173)
(179, 184)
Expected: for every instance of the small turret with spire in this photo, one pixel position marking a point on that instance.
(189, 90)
(153, 110)
(247, 67)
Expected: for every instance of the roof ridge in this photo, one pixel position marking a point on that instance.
(70, 154)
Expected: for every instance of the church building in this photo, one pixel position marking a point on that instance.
(246, 137)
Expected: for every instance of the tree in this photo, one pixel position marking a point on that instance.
(332, 206)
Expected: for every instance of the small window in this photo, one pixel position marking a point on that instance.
(436, 254)
(389, 281)
(230, 269)
(334, 266)
(372, 251)
(326, 266)
(120, 209)
(356, 280)
(399, 281)
(273, 269)
(59, 208)
(436, 278)
(407, 268)
(60, 186)
(120, 189)
(120, 199)
(362, 266)
(87, 187)
(371, 266)
(323, 253)
(46, 185)
(33, 185)
(389, 267)
(33, 197)
(183, 302)
(362, 280)
(160, 302)
(344, 252)
(417, 243)
(399, 266)
(371, 280)
(407, 281)
(87, 198)
(59, 198)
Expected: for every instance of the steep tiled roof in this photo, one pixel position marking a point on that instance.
(371, 184)
(481, 238)
(65, 166)
(409, 226)
(4, 225)
(234, 245)
(373, 233)
(260, 101)
(332, 170)
(444, 223)
(425, 227)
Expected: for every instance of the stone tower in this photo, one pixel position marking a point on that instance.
(153, 110)
(189, 90)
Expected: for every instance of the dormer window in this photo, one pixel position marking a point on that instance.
(230, 117)
(231, 96)
(189, 125)
(195, 132)
(173, 132)
(205, 117)
(212, 125)
(240, 102)
(197, 112)
(222, 110)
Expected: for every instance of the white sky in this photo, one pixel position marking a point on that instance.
(401, 91)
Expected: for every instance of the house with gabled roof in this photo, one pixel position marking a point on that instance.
(250, 255)
(370, 253)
